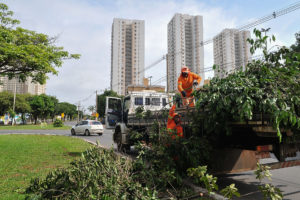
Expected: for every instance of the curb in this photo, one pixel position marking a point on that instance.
(203, 191)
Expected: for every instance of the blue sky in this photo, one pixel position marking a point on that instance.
(84, 27)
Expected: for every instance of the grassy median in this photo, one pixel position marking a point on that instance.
(23, 157)
(34, 127)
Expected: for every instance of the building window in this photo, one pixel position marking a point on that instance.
(155, 101)
(164, 101)
(138, 101)
(147, 101)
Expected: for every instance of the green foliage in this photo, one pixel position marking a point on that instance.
(163, 161)
(296, 47)
(6, 102)
(201, 175)
(154, 168)
(42, 106)
(269, 191)
(101, 101)
(139, 112)
(22, 105)
(92, 108)
(25, 53)
(230, 191)
(270, 86)
(12, 114)
(67, 108)
(99, 174)
(262, 171)
(58, 123)
(148, 114)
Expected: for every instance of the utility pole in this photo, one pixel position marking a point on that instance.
(96, 105)
(78, 107)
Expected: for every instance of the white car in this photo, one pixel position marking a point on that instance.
(88, 127)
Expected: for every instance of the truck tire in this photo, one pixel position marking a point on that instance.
(279, 152)
(117, 137)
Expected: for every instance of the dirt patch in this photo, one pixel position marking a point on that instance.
(73, 154)
(29, 167)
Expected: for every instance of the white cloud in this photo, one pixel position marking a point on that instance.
(84, 27)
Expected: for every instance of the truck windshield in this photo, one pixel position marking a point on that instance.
(115, 104)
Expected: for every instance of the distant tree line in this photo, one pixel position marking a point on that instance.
(37, 106)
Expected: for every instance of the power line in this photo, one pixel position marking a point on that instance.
(210, 68)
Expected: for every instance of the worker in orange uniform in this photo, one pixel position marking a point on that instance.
(173, 126)
(186, 81)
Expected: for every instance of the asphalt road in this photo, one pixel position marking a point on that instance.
(287, 179)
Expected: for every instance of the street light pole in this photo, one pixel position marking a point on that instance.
(150, 79)
(14, 104)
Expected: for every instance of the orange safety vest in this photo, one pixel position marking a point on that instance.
(173, 128)
(186, 83)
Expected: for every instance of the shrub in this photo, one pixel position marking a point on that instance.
(58, 123)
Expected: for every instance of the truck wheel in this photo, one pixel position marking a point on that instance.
(279, 152)
(124, 148)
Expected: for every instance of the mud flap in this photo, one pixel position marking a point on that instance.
(233, 160)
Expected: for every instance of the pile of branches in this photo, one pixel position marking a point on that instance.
(99, 174)
(270, 85)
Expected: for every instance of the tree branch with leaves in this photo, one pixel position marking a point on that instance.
(25, 53)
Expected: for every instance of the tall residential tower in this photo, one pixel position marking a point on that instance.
(185, 37)
(231, 51)
(21, 87)
(127, 54)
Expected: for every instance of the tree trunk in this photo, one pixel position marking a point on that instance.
(23, 118)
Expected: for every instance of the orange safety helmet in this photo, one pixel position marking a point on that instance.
(185, 69)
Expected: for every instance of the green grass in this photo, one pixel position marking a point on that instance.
(33, 127)
(23, 157)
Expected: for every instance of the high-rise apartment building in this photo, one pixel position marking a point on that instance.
(127, 54)
(21, 87)
(185, 37)
(231, 51)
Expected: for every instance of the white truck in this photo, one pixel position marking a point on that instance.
(120, 113)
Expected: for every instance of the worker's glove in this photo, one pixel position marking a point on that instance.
(183, 93)
(195, 83)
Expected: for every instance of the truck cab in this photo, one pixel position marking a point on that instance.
(119, 110)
